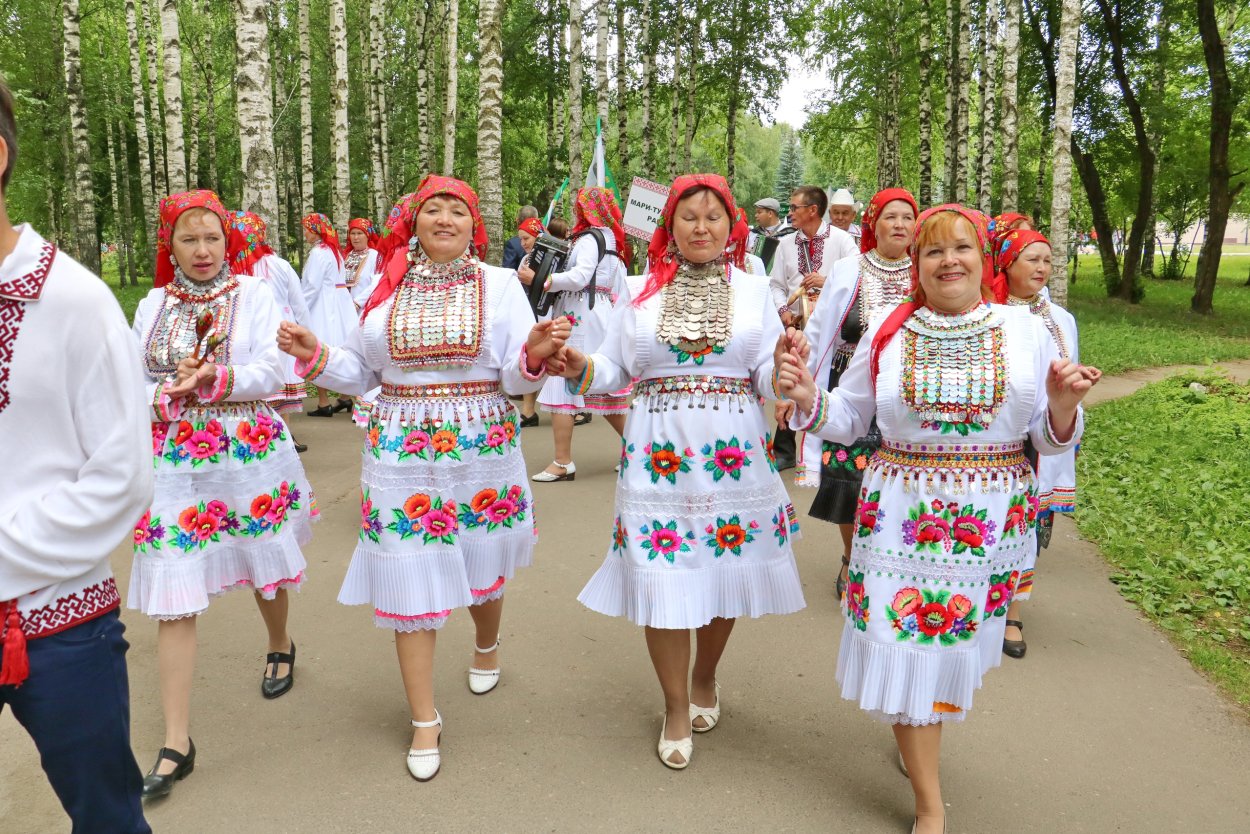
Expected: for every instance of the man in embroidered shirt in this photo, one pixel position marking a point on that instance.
(842, 212)
(75, 436)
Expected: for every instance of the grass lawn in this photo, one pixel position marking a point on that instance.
(1162, 494)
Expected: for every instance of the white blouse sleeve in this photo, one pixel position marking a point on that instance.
(261, 375)
(1041, 432)
(762, 372)
(581, 267)
(614, 365)
(281, 270)
(511, 328)
(844, 414)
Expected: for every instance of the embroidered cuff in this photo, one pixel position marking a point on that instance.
(777, 395)
(164, 409)
(526, 373)
(581, 385)
(312, 368)
(220, 388)
(817, 419)
(1048, 429)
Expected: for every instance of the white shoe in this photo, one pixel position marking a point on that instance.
(667, 747)
(424, 764)
(710, 715)
(482, 681)
(545, 477)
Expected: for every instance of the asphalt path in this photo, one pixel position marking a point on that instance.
(1102, 727)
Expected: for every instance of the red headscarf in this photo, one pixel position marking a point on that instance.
(597, 207)
(321, 226)
(532, 226)
(245, 242)
(1004, 223)
(902, 312)
(662, 253)
(171, 208)
(365, 225)
(401, 227)
(868, 229)
(1007, 250)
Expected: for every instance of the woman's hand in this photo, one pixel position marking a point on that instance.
(795, 382)
(297, 340)
(196, 374)
(782, 411)
(1066, 385)
(547, 338)
(791, 341)
(186, 369)
(573, 361)
(525, 272)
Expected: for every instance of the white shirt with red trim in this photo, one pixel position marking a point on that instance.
(75, 441)
(829, 245)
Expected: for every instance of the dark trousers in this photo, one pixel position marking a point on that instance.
(76, 707)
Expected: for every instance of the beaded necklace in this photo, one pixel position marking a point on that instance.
(696, 312)
(883, 284)
(1040, 307)
(351, 266)
(954, 368)
(438, 316)
(171, 338)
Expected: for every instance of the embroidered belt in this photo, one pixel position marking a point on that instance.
(229, 407)
(669, 392)
(996, 465)
(442, 390)
(71, 610)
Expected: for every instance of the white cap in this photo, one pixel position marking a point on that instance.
(842, 197)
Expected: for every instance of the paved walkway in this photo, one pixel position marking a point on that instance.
(1103, 727)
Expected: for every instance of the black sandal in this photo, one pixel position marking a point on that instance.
(272, 686)
(530, 421)
(342, 405)
(157, 785)
(1015, 648)
(841, 584)
(581, 418)
(324, 411)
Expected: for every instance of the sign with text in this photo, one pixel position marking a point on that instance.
(643, 207)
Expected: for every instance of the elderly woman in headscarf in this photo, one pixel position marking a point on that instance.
(360, 259)
(332, 315)
(232, 507)
(598, 228)
(947, 510)
(445, 517)
(703, 527)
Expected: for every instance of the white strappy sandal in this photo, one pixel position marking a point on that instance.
(424, 764)
(545, 477)
(667, 747)
(710, 715)
(482, 681)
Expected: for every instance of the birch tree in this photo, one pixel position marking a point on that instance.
(210, 93)
(601, 61)
(889, 166)
(373, 125)
(925, 46)
(377, 51)
(453, 79)
(340, 152)
(692, 66)
(307, 198)
(989, 74)
(961, 129)
(84, 236)
(674, 92)
(422, 35)
(1009, 112)
(575, 89)
(117, 172)
(622, 92)
(147, 187)
(490, 120)
(254, 93)
(951, 50)
(175, 146)
(1061, 180)
(155, 97)
(648, 79)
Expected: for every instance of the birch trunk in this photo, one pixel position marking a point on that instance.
(674, 92)
(373, 127)
(622, 94)
(1061, 180)
(692, 65)
(161, 176)
(965, 77)
(307, 198)
(119, 231)
(575, 90)
(210, 94)
(175, 146)
(889, 169)
(288, 181)
(85, 239)
(951, 48)
(147, 188)
(1010, 114)
(453, 79)
(976, 135)
(989, 75)
(422, 61)
(254, 95)
(490, 120)
(926, 106)
(602, 102)
(128, 237)
(648, 80)
(340, 152)
(193, 130)
(376, 68)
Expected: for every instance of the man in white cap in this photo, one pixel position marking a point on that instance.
(842, 212)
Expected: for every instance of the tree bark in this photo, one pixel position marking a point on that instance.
(1010, 113)
(490, 121)
(147, 188)
(86, 240)
(453, 80)
(965, 78)
(373, 126)
(601, 62)
(951, 48)
(675, 100)
(575, 91)
(648, 81)
(254, 96)
(377, 50)
(421, 32)
(155, 97)
(192, 103)
(340, 150)
(622, 95)
(210, 94)
(175, 146)
(989, 76)
(1061, 180)
(692, 66)
(925, 47)
(889, 169)
(307, 197)
(1220, 192)
(1163, 28)
(117, 173)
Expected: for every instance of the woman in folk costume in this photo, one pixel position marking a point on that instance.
(250, 254)
(703, 525)
(859, 290)
(232, 507)
(594, 208)
(360, 259)
(331, 312)
(446, 519)
(1023, 260)
(528, 231)
(945, 523)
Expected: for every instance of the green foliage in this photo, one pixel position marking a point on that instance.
(1162, 494)
(790, 168)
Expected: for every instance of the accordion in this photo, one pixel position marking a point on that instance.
(550, 254)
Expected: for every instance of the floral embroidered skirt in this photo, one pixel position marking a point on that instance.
(446, 517)
(841, 476)
(942, 535)
(231, 509)
(703, 525)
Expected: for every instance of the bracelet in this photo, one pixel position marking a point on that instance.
(313, 368)
(777, 395)
(820, 413)
(583, 382)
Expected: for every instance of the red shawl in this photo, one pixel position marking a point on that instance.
(597, 207)
(171, 208)
(868, 229)
(321, 226)
(245, 242)
(1006, 251)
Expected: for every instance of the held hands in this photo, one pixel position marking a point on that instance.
(1067, 383)
(572, 363)
(794, 380)
(191, 374)
(525, 273)
(545, 342)
(792, 340)
(296, 340)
